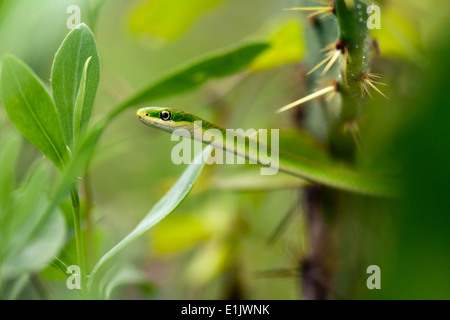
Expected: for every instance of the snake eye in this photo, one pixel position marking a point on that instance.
(165, 115)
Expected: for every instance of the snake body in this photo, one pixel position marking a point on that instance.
(322, 173)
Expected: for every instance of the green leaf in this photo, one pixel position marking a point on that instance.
(302, 144)
(165, 206)
(31, 109)
(195, 74)
(30, 236)
(67, 73)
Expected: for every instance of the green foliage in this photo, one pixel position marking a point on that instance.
(60, 130)
(196, 73)
(237, 209)
(29, 235)
(32, 110)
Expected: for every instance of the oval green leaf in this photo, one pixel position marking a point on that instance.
(67, 73)
(31, 109)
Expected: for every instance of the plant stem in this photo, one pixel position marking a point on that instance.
(60, 265)
(81, 255)
(317, 274)
(323, 206)
(318, 267)
(88, 216)
(354, 34)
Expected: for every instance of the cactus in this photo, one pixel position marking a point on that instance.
(352, 49)
(340, 27)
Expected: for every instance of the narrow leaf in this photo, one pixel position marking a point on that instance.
(195, 74)
(165, 206)
(31, 109)
(67, 73)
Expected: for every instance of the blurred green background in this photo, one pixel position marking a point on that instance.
(216, 245)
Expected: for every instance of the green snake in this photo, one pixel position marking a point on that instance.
(322, 173)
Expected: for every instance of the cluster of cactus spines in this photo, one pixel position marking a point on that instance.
(352, 49)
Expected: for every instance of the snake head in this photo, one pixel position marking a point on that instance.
(166, 119)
